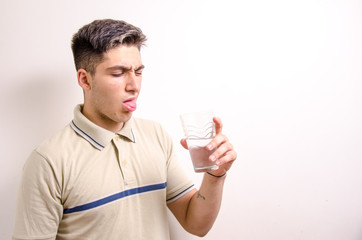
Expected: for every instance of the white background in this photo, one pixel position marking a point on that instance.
(285, 77)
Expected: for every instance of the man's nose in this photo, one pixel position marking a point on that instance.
(133, 82)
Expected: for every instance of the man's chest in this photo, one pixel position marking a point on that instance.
(117, 171)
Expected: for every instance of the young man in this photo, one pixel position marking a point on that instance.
(107, 175)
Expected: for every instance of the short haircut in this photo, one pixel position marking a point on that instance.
(94, 39)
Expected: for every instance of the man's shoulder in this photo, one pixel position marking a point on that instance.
(59, 141)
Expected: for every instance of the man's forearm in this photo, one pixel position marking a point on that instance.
(205, 205)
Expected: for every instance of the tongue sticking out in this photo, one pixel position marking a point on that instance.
(130, 105)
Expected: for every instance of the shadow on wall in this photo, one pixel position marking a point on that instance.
(38, 105)
(39, 102)
(33, 108)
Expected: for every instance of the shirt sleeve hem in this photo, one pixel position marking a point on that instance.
(177, 196)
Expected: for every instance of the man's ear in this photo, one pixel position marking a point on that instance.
(84, 79)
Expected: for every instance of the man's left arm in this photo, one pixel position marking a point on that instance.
(197, 210)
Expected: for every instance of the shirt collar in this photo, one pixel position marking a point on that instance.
(127, 131)
(96, 135)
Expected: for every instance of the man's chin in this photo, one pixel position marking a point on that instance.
(126, 116)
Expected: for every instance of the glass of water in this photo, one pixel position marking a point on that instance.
(199, 129)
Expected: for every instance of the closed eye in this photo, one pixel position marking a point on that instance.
(117, 74)
(139, 70)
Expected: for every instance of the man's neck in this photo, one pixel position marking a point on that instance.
(102, 121)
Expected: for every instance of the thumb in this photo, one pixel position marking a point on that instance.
(218, 125)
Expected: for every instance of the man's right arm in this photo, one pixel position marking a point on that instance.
(39, 209)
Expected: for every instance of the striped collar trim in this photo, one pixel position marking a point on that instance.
(96, 135)
(86, 136)
(127, 131)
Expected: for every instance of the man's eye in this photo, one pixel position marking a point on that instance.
(117, 74)
(138, 73)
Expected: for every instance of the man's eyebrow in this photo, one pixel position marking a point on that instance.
(140, 68)
(124, 68)
(120, 67)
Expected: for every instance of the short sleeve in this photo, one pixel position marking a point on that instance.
(178, 182)
(39, 209)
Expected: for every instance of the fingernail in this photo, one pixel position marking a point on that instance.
(209, 146)
(217, 163)
(212, 157)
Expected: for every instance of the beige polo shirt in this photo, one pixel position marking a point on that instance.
(89, 183)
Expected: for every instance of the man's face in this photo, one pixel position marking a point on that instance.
(115, 87)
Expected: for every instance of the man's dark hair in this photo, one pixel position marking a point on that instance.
(96, 38)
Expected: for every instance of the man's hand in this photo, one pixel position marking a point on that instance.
(224, 155)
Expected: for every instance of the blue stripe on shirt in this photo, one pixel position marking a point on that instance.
(115, 197)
